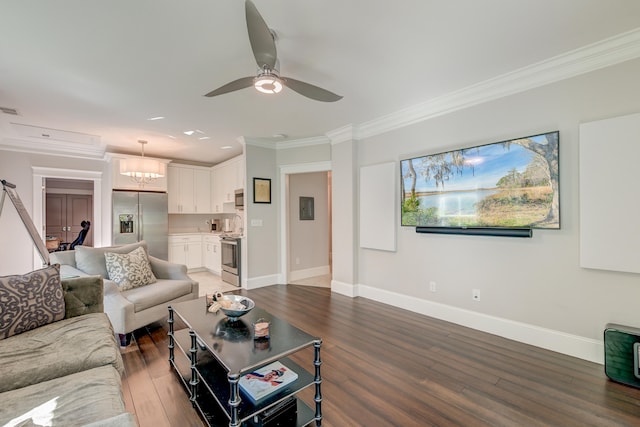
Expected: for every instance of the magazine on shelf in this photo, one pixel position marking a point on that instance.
(267, 380)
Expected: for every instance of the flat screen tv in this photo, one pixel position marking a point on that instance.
(505, 185)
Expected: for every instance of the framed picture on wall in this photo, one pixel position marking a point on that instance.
(261, 190)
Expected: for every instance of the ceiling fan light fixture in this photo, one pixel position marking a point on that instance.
(268, 84)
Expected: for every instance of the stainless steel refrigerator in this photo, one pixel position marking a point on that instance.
(141, 216)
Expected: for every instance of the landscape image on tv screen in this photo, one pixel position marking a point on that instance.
(511, 184)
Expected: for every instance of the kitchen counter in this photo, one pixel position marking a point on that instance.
(193, 233)
(205, 233)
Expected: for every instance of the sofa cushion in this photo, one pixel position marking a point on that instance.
(91, 260)
(129, 270)
(58, 349)
(82, 295)
(30, 300)
(73, 400)
(161, 292)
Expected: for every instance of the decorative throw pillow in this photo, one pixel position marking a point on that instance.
(30, 300)
(129, 270)
(91, 260)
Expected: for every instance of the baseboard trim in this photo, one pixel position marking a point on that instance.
(308, 272)
(343, 288)
(572, 345)
(262, 281)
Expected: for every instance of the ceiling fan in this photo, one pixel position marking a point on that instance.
(268, 79)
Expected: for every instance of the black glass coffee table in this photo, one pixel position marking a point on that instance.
(214, 352)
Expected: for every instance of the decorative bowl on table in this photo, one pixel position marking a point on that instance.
(235, 306)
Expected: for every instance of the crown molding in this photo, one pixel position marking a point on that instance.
(109, 156)
(304, 142)
(285, 145)
(343, 134)
(614, 50)
(259, 142)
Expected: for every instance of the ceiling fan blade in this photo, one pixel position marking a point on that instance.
(262, 43)
(242, 83)
(310, 91)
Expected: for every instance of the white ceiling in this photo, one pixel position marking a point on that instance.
(103, 68)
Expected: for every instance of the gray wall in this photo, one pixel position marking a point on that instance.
(262, 243)
(16, 250)
(308, 154)
(535, 281)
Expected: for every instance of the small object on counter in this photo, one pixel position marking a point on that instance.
(261, 329)
(214, 307)
(235, 306)
(214, 301)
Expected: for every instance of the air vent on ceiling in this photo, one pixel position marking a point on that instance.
(11, 111)
(66, 136)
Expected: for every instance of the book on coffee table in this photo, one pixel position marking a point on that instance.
(267, 380)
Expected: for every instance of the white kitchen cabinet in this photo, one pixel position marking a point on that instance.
(202, 191)
(221, 189)
(227, 177)
(186, 250)
(238, 172)
(189, 190)
(211, 253)
(173, 189)
(216, 201)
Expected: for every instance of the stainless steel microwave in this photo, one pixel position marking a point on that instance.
(239, 198)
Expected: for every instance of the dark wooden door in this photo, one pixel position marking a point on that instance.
(56, 216)
(65, 212)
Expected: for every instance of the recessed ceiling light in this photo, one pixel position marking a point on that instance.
(155, 118)
(189, 132)
(171, 136)
(204, 137)
(225, 147)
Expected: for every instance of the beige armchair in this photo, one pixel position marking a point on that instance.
(134, 308)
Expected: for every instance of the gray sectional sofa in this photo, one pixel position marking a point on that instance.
(67, 372)
(133, 308)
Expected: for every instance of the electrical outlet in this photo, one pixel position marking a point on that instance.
(297, 261)
(432, 286)
(475, 294)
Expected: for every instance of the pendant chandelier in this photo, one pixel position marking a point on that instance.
(142, 169)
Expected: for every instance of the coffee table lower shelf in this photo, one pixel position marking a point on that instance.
(211, 412)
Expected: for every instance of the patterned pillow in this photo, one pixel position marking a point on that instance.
(129, 270)
(30, 300)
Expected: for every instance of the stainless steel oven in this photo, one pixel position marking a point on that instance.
(230, 254)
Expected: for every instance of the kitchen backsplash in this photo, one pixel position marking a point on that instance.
(183, 223)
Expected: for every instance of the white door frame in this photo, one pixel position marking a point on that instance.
(40, 173)
(284, 213)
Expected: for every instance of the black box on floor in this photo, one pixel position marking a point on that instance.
(284, 414)
(622, 354)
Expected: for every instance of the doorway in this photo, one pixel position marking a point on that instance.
(306, 236)
(41, 174)
(68, 203)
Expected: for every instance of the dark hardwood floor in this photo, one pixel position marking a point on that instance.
(388, 367)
